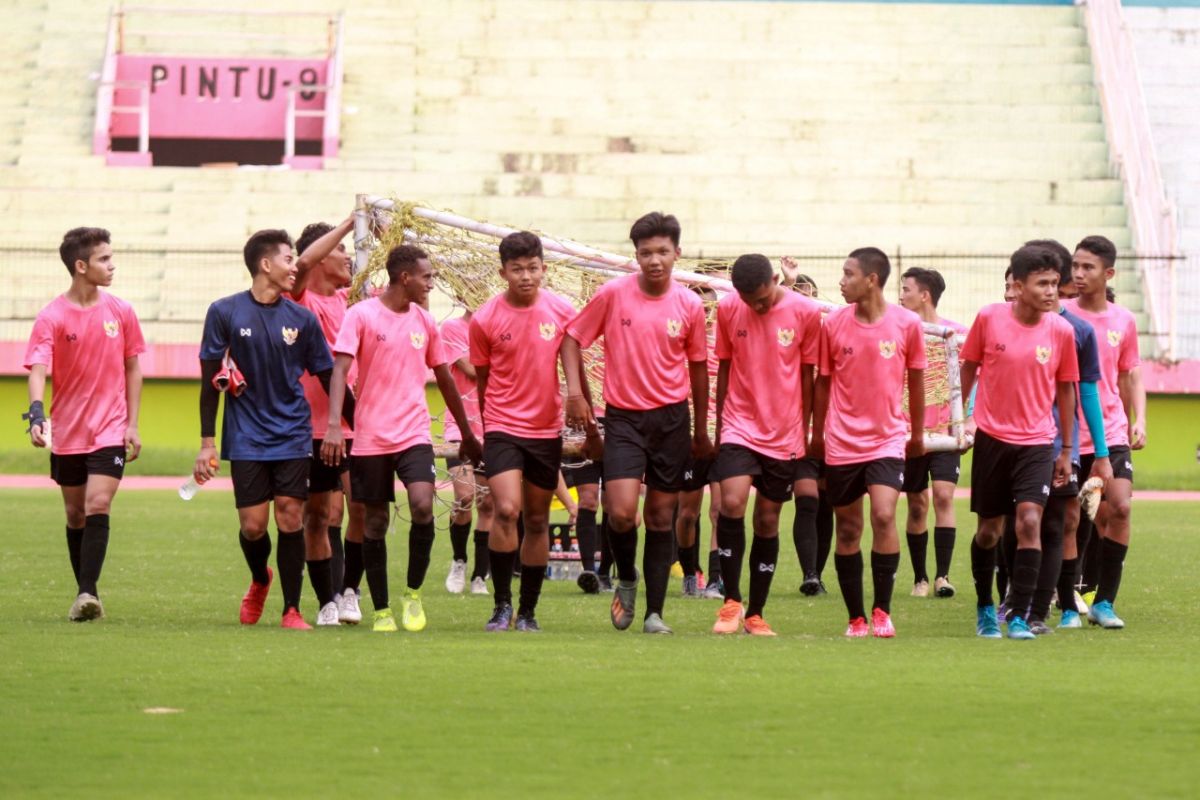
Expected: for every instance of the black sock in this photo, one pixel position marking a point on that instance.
(520, 541)
(731, 544)
(1066, 584)
(714, 566)
(883, 576)
(624, 549)
(320, 575)
(257, 553)
(850, 572)
(74, 544)
(354, 565)
(804, 534)
(92, 548)
(656, 564)
(1022, 580)
(689, 557)
(289, 560)
(764, 553)
(983, 570)
(1009, 545)
(531, 589)
(943, 551)
(1053, 519)
(482, 562)
(374, 556)
(824, 531)
(917, 544)
(459, 534)
(606, 554)
(337, 562)
(1089, 556)
(588, 536)
(420, 548)
(1112, 562)
(502, 575)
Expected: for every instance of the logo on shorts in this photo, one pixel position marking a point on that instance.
(674, 326)
(118, 461)
(1043, 354)
(417, 339)
(112, 328)
(289, 335)
(901, 479)
(1045, 490)
(1129, 466)
(887, 349)
(785, 336)
(688, 474)
(547, 330)
(1114, 338)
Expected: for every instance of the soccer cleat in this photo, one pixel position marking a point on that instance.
(526, 623)
(347, 608)
(857, 629)
(715, 590)
(700, 582)
(328, 615)
(255, 598)
(691, 587)
(624, 603)
(501, 619)
(987, 624)
(1088, 598)
(86, 607)
(920, 589)
(385, 621)
(676, 570)
(606, 584)
(1081, 605)
(729, 617)
(1070, 619)
(757, 626)
(456, 581)
(1002, 611)
(881, 624)
(1039, 627)
(811, 587)
(1018, 629)
(293, 621)
(942, 587)
(588, 582)
(479, 586)
(654, 624)
(1102, 614)
(412, 615)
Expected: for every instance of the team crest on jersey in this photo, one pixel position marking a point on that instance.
(887, 349)
(674, 326)
(1114, 338)
(547, 330)
(1043, 354)
(290, 335)
(417, 339)
(112, 328)
(785, 336)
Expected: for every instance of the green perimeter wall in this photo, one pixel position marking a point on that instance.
(170, 437)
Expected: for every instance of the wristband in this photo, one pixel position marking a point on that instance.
(36, 415)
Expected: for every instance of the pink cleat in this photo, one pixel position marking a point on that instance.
(255, 598)
(293, 620)
(857, 628)
(881, 624)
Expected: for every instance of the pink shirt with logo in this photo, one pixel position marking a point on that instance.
(648, 341)
(85, 351)
(457, 345)
(1020, 366)
(519, 346)
(330, 311)
(766, 354)
(868, 368)
(394, 353)
(1117, 344)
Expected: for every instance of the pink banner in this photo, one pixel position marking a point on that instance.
(219, 98)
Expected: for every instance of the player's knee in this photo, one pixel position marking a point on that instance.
(254, 530)
(687, 517)
(621, 521)
(657, 519)
(1120, 509)
(98, 505)
(848, 530)
(506, 511)
(376, 523)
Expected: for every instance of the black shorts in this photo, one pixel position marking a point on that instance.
(373, 478)
(653, 446)
(697, 473)
(1004, 474)
(321, 476)
(1070, 488)
(73, 470)
(453, 463)
(256, 482)
(845, 483)
(773, 477)
(583, 475)
(537, 460)
(1122, 463)
(941, 466)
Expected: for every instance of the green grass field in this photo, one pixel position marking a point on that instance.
(582, 710)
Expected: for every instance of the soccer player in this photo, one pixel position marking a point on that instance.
(515, 341)
(697, 477)
(920, 292)
(869, 348)
(1024, 356)
(585, 479)
(654, 347)
(267, 431)
(89, 341)
(767, 341)
(1123, 400)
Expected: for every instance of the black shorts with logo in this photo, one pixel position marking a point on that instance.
(773, 477)
(697, 473)
(1122, 463)
(653, 446)
(1003, 475)
(941, 466)
(845, 483)
(1070, 488)
(321, 476)
(373, 478)
(256, 482)
(590, 472)
(73, 470)
(537, 460)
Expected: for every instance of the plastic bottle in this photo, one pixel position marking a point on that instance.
(188, 490)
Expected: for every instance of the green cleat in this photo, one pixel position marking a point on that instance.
(385, 622)
(413, 615)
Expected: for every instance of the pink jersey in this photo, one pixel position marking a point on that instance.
(648, 341)
(1117, 344)
(394, 351)
(330, 311)
(1019, 366)
(766, 354)
(85, 350)
(457, 345)
(868, 366)
(519, 346)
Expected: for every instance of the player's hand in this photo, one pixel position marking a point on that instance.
(578, 414)
(206, 465)
(790, 270)
(593, 444)
(702, 446)
(969, 431)
(37, 423)
(133, 444)
(470, 449)
(1102, 469)
(915, 447)
(333, 448)
(1137, 435)
(1062, 469)
(35, 435)
(816, 448)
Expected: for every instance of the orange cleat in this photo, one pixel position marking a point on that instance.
(857, 628)
(757, 626)
(881, 624)
(293, 620)
(729, 617)
(255, 598)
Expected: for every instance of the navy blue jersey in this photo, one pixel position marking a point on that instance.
(1089, 372)
(272, 345)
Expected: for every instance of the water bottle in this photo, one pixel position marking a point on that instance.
(188, 490)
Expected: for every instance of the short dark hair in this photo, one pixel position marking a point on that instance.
(263, 244)
(804, 280)
(873, 261)
(1033, 258)
(750, 272)
(928, 279)
(1099, 246)
(78, 244)
(655, 224)
(403, 258)
(521, 244)
(310, 234)
(1064, 256)
(1008, 271)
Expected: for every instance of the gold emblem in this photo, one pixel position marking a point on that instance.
(290, 334)
(111, 328)
(417, 339)
(785, 336)
(887, 349)
(547, 330)
(1114, 338)
(1043, 354)
(674, 326)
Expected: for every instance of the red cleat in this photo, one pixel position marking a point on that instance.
(255, 598)
(881, 624)
(293, 620)
(857, 628)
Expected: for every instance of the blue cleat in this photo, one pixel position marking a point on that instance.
(1070, 619)
(1018, 628)
(986, 624)
(1102, 614)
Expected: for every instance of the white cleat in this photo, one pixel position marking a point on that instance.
(347, 608)
(328, 615)
(479, 586)
(85, 608)
(456, 581)
(920, 589)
